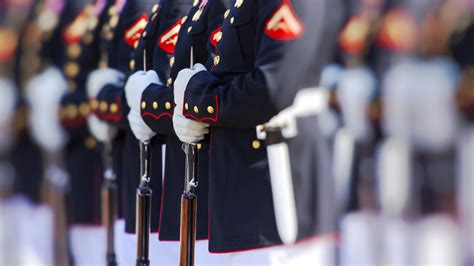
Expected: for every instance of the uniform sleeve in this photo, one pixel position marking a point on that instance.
(283, 64)
(111, 106)
(157, 108)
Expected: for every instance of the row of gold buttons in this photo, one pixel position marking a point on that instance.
(155, 105)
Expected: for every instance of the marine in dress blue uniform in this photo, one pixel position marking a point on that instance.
(245, 88)
(80, 55)
(204, 20)
(126, 23)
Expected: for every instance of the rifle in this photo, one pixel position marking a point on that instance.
(143, 200)
(109, 204)
(143, 206)
(55, 189)
(189, 207)
(187, 234)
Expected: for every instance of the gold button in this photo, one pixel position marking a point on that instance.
(155, 105)
(196, 109)
(143, 105)
(218, 36)
(103, 106)
(109, 35)
(226, 14)
(217, 59)
(94, 104)
(71, 111)
(256, 144)
(186, 106)
(169, 82)
(238, 3)
(74, 50)
(72, 86)
(168, 105)
(84, 109)
(210, 109)
(199, 146)
(190, 29)
(113, 22)
(195, 2)
(155, 8)
(62, 114)
(135, 45)
(90, 143)
(112, 11)
(88, 38)
(132, 64)
(144, 34)
(232, 20)
(154, 16)
(197, 15)
(103, 63)
(113, 108)
(171, 61)
(71, 69)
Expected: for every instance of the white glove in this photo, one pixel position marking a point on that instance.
(101, 77)
(102, 131)
(308, 102)
(188, 131)
(182, 80)
(43, 92)
(7, 101)
(135, 86)
(95, 82)
(139, 128)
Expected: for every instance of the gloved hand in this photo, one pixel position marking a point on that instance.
(102, 131)
(7, 101)
(135, 86)
(43, 93)
(141, 130)
(97, 79)
(308, 102)
(182, 80)
(188, 131)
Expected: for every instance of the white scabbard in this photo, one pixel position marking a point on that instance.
(283, 193)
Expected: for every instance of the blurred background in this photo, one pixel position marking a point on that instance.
(398, 131)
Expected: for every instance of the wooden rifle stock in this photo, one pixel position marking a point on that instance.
(189, 207)
(188, 229)
(109, 216)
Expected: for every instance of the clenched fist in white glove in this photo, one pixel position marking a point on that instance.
(308, 102)
(95, 82)
(43, 93)
(140, 130)
(182, 80)
(188, 131)
(134, 88)
(97, 79)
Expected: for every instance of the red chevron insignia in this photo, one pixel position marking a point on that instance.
(284, 24)
(168, 40)
(134, 32)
